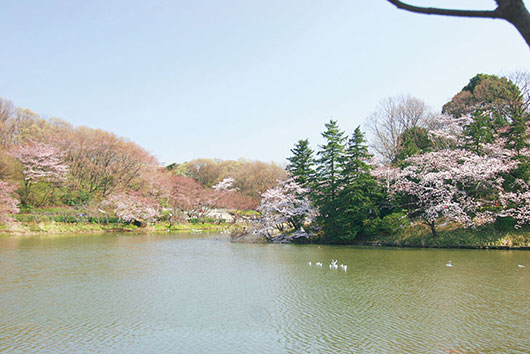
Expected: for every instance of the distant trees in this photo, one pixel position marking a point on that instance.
(251, 178)
(513, 11)
(499, 97)
(398, 125)
(101, 162)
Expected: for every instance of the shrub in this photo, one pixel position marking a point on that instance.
(391, 225)
(506, 223)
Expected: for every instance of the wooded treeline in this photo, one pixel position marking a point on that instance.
(468, 164)
(49, 162)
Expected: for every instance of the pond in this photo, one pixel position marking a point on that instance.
(203, 294)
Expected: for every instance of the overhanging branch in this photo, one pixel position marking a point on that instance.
(513, 11)
(446, 12)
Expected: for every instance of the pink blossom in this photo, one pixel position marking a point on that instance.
(285, 204)
(130, 206)
(8, 203)
(40, 162)
(454, 184)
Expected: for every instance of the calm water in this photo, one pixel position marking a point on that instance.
(176, 293)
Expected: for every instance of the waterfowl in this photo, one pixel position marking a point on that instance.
(333, 264)
(449, 264)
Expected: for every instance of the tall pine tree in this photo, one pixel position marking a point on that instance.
(301, 163)
(329, 163)
(357, 197)
(327, 177)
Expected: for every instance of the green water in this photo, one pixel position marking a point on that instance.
(202, 294)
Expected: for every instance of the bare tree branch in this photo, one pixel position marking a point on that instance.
(446, 12)
(513, 11)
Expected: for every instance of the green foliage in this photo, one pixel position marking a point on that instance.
(504, 223)
(329, 164)
(301, 163)
(479, 132)
(76, 197)
(247, 213)
(390, 227)
(412, 142)
(497, 95)
(205, 221)
(345, 192)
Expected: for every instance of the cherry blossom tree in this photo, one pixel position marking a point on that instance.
(228, 196)
(516, 203)
(8, 203)
(131, 206)
(188, 196)
(227, 184)
(40, 162)
(454, 184)
(284, 206)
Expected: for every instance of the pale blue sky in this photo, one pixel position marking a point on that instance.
(238, 78)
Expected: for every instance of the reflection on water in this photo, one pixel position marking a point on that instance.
(177, 293)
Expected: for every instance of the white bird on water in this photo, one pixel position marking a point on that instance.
(449, 264)
(344, 267)
(333, 264)
(309, 263)
(520, 266)
(318, 264)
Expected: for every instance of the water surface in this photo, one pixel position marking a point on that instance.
(202, 294)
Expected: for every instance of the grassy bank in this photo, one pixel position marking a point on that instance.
(453, 236)
(55, 227)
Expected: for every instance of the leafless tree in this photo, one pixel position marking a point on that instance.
(393, 117)
(513, 11)
(522, 80)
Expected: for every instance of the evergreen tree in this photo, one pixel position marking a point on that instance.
(479, 132)
(357, 197)
(517, 133)
(355, 157)
(328, 177)
(517, 138)
(301, 163)
(329, 164)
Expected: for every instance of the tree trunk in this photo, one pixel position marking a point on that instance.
(432, 225)
(517, 14)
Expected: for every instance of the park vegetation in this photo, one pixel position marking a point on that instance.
(51, 171)
(466, 170)
(417, 177)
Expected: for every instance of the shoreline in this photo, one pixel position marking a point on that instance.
(53, 228)
(469, 247)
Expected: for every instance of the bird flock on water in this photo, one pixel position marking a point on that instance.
(332, 265)
(344, 267)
